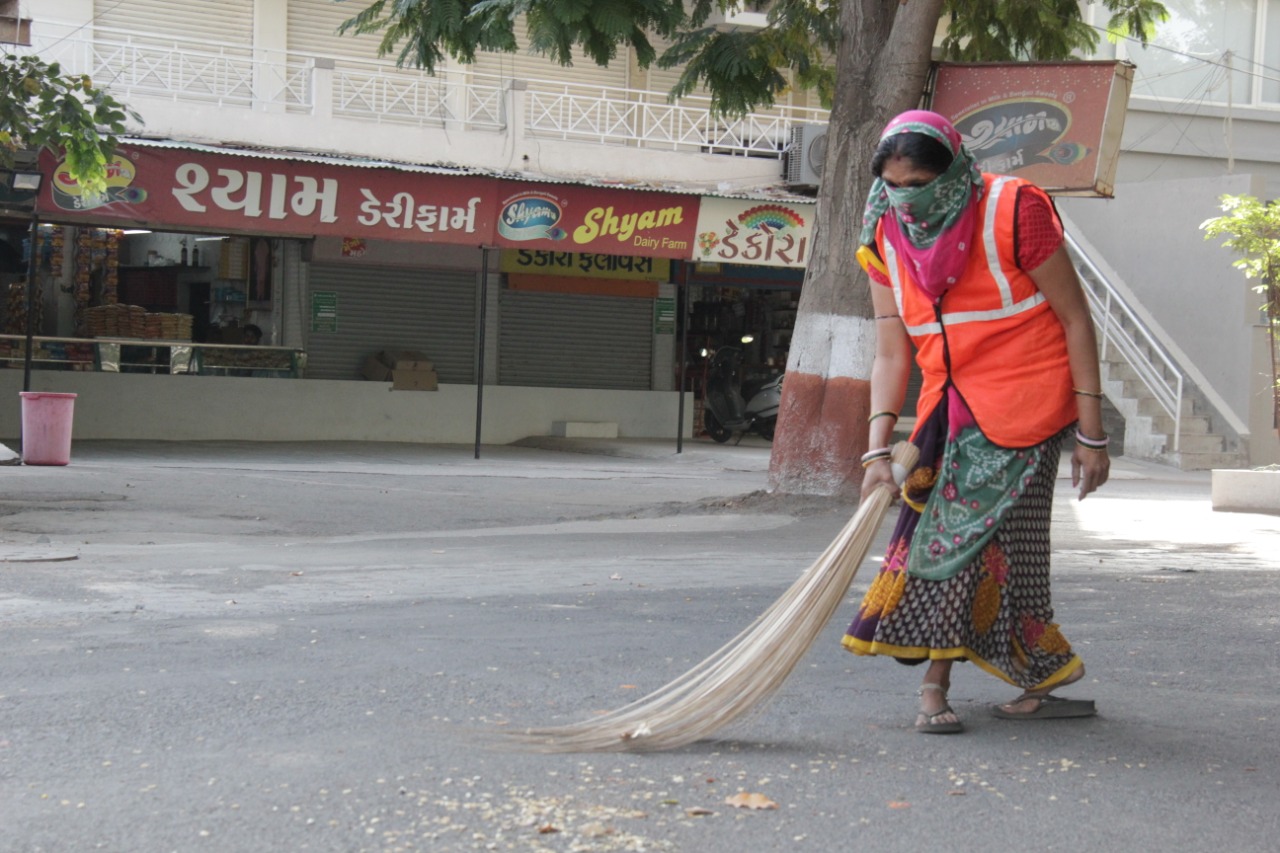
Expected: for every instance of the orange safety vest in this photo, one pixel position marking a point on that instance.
(993, 334)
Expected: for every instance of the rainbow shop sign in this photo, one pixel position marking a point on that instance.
(761, 233)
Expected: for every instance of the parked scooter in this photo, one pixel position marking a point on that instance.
(725, 412)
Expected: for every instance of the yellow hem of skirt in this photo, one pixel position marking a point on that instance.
(862, 647)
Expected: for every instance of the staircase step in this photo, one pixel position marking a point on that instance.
(1206, 443)
(1203, 461)
(1121, 371)
(1191, 424)
(1150, 406)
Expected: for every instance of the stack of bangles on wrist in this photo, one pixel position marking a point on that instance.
(1098, 445)
(873, 456)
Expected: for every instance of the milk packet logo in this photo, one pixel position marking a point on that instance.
(531, 216)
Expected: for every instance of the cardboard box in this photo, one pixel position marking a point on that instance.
(405, 360)
(373, 369)
(414, 380)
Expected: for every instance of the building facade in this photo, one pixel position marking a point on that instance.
(287, 179)
(266, 92)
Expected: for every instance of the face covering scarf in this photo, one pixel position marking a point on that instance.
(932, 226)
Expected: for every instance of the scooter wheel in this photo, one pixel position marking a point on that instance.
(718, 432)
(765, 428)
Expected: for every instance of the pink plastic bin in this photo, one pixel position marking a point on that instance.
(46, 427)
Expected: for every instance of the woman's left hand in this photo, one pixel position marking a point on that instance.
(1089, 469)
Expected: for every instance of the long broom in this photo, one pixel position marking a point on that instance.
(746, 670)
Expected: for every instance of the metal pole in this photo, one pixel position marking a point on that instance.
(483, 288)
(682, 307)
(31, 316)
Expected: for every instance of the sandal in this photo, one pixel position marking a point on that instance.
(926, 724)
(1048, 707)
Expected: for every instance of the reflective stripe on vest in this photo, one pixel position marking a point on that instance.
(1008, 308)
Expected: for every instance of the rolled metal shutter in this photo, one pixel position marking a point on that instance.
(293, 292)
(433, 311)
(524, 65)
(313, 30)
(564, 340)
(214, 22)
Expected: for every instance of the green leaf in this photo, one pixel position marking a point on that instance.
(43, 109)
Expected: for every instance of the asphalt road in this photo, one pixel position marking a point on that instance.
(237, 647)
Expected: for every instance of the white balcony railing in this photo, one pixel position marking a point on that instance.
(132, 65)
(136, 64)
(384, 93)
(635, 117)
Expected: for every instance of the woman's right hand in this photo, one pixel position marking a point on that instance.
(878, 473)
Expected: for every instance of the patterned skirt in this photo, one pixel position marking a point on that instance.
(993, 605)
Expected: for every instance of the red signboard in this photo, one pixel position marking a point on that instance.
(175, 188)
(570, 218)
(1056, 124)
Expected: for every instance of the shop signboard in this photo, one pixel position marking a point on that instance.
(1055, 124)
(594, 220)
(181, 187)
(584, 265)
(761, 233)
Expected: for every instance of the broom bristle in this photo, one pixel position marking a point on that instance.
(742, 673)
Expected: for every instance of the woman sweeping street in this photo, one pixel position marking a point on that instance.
(970, 269)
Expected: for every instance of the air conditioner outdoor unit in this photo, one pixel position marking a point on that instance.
(806, 154)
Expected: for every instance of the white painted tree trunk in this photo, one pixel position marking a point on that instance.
(881, 70)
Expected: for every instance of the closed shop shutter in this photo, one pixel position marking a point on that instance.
(313, 30)
(433, 311)
(563, 340)
(292, 296)
(215, 22)
(523, 65)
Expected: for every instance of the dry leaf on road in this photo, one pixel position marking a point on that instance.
(750, 801)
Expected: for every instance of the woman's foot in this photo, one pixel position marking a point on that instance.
(1040, 705)
(936, 716)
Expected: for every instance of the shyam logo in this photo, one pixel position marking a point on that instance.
(1020, 132)
(531, 216)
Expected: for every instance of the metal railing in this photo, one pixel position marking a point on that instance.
(152, 355)
(132, 64)
(1119, 327)
(384, 94)
(637, 117)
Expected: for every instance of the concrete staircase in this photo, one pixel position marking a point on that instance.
(1170, 413)
(1151, 431)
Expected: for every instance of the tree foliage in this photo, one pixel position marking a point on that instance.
(1250, 228)
(1010, 30)
(742, 69)
(43, 108)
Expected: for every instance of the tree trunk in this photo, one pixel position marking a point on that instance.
(822, 424)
